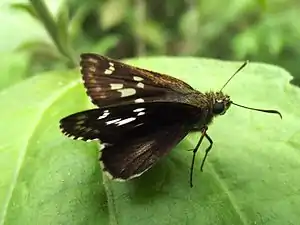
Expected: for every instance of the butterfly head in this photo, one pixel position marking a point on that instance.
(220, 103)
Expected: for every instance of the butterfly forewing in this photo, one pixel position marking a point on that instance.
(120, 123)
(135, 136)
(110, 82)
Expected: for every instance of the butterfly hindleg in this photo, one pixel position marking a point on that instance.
(204, 134)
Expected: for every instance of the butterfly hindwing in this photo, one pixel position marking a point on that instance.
(110, 82)
(132, 158)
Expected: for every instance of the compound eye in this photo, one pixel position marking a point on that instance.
(219, 108)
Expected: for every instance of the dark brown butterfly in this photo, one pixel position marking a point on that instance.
(141, 115)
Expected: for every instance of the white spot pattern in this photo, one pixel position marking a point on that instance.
(116, 86)
(127, 92)
(137, 78)
(139, 100)
(141, 113)
(140, 85)
(138, 109)
(113, 121)
(104, 115)
(110, 69)
(125, 121)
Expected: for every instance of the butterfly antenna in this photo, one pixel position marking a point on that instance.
(236, 72)
(260, 110)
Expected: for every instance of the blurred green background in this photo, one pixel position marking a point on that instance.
(39, 36)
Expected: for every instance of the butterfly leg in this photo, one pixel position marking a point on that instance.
(204, 134)
(207, 150)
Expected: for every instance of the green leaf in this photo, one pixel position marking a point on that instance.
(105, 44)
(42, 181)
(112, 13)
(13, 68)
(251, 175)
(262, 4)
(25, 7)
(191, 33)
(153, 35)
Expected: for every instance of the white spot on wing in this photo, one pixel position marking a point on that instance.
(116, 86)
(137, 78)
(138, 109)
(110, 69)
(108, 72)
(127, 92)
(141, 113)
(125, 121)
(139, 100)
(104, 115)
(101, 96)
(113, 121)
(140, 85)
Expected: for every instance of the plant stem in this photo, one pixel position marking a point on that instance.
(50, 25)
(140, 18)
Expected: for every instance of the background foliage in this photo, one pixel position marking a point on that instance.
(258, 30)
(47, 179)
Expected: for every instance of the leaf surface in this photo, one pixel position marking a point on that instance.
(251, 174)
